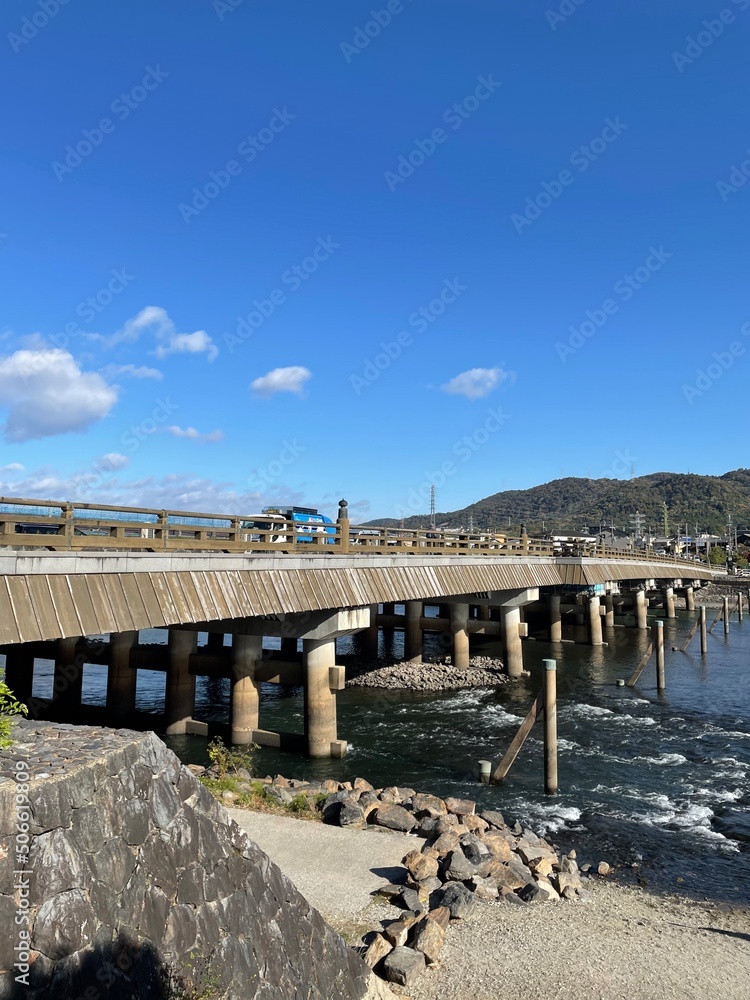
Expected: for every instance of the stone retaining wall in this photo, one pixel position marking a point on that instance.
(138, 884)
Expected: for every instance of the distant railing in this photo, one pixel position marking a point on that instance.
(61, 526)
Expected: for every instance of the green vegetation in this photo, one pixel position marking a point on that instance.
(9, 708)
(253, 794)
(226, 759)
(573, 504)
(717, 556)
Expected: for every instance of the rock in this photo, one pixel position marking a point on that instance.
(475, 823)
(569, 865)
(457, 867)
(428, 806)
(541, 866)
(508, 896)
(397, 932)
(427, 826)
(352, 815)
(329, 786)
(281, 782)
(420, 866)
(538, 892)
(280, 794)
(566, 883)
(460, 807)
(378, 948)
(429, 938)
(441, 915)
(603, 868)
(484, 889)
(368, 801)
(475, 850)
(520, 871)
(493, 818)
(403, 966)
(529, 854)
(392, 794)
(428, 885)
(360, 785)
(409, 899)
(389, 891)
(393, 817)
(196, 769)
(459, 900)
(497, 845)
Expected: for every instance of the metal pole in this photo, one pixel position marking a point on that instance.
(550, 727)
(726, 616)
(658, 636)
(704, 636)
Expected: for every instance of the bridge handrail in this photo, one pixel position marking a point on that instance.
(76, 526)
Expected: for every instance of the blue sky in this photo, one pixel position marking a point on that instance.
(256, 251)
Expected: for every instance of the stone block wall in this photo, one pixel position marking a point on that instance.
(138, 885)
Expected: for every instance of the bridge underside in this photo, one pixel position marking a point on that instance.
(69, 595)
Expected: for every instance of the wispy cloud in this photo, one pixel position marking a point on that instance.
(476, 383)
(134, 371)
(156, 321)
(195, 435)
(290, 379)
(111, 461)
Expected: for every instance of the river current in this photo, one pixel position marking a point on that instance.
(658, 785)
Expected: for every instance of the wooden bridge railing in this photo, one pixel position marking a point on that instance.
(56, 526)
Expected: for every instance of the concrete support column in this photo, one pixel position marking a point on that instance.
(609, 611)
(370, 634)
(669, 602)
(555, 618)
(68, 680)
(460, 632)
(215, 642)
(247, 651)
(121, 679)
(689, 599)
(511, 619)
(595, 621)
(320, 700)
(413, 632)
(639, 609)
(483, 612)
(180, 698)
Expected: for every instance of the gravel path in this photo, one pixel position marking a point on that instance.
(623, 945)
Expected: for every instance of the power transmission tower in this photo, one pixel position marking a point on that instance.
(432, 506)
(666, 519)
(636, 523)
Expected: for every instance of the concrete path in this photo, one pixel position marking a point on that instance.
(336, 870)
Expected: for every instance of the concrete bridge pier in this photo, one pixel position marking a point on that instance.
(19, 671)
(595, 620)
(121, 677)
(609, 610)
(370, 635)
(179, 703)
(689, 599)
(319, 658)
(247, 652)
(511, 622)
(555, 618)
(668, 594)
(413, 632)
(639, 609)
(459, 616)
(68, 679)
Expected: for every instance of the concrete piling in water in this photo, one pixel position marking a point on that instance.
(550, 727)
(179, 703)
(511, 617)
(640, 610)
(320, 701)
(704, 633)
(121, 678)
(739, 605)
(668, 595)
(689, 599)
(413, 632)
(595, 621)
(68, 679)
(247, 652)
(725, 616)
(555, 618)
(658, 638)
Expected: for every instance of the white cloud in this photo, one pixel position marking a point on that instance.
(12, 467)
(290, 379)
(155, 320)
(476, 382)
(111, 461)
(134, 371)
(195, 435)
(46, 393)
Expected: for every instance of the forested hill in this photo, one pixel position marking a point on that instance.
(573, 504)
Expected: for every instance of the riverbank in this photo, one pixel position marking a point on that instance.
(439, 674)
(712, 595)
(622, 944)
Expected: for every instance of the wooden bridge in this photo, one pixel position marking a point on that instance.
(70, 572)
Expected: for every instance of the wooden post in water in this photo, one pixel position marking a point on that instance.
(739, 605)
(550, 727)
(704, 636)
(658, 637)
(726, 615)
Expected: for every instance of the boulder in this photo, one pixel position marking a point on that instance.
(531, 853)
(493, 818)
(441, 915)
(538, 892)
(420, 866)
(460, 807)
(352, 815)
(403, 966)
(378, 948)
(475, 850)
(458, 899)
(445, 842)
(397, 932)
(603, 868)
(497, 845)
(409, 899)
(393, 817)
(475, 823)
(541, 866)
(485, 889)
(427, 826)
(429, 938)
(360, 785)
(446, 824)
(428, 806)
(457, 867)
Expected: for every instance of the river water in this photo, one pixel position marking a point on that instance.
(659, 785)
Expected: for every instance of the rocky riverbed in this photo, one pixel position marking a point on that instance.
(712, 596)
(439, 675)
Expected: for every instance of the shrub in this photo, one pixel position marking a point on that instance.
(9, 708)
(227, 759)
